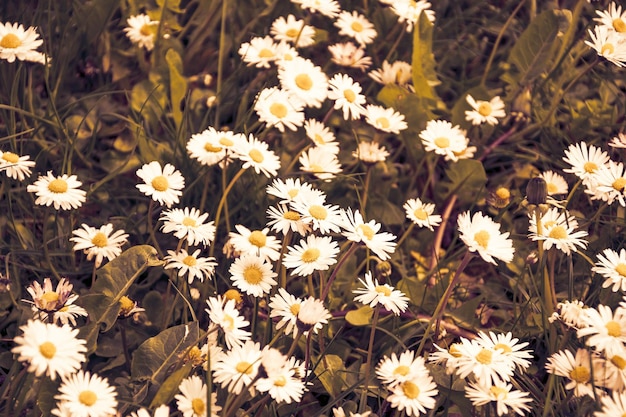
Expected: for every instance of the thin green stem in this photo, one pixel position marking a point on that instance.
(343, 259)
(368, 363)
(406, 234)
(220, 61)
(222, 202)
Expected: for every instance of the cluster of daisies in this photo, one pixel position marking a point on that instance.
(608, 37)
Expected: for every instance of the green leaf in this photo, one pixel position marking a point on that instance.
(331, 373)
(423, 60)
(178, 84)
(169, 388)
(360, 317)
(153, 358)
(465, 178)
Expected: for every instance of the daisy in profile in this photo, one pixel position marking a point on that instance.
(481, 234)
(321, 162)
(142, 31)
(398, 72)
(88, 395)
(414, 396)
(21, 44)
(321, 216)
(356, 26)
(191, 401)
(387, 296)
(312, 316)
(252, 275)
(211, 147)
(99, 243)
(164, 185)
(606, 329)
(303, 79)
(484, 111)
(612, 265)
(190, 264)
(62, 192)
(500, 393)
(577, 369)
(279, 108)
(320, 135)
(256, 154)
(328, 8)
(287, 307)
(421, 213)
(256, 242)
(49, 349)
(347, 95)
(227, 317)
(15, 166)
(282, 219)
(293, 30)
(612, 405)
(238, 367)
(442, 138)
(188, 224)
(555, 183)
(316, 253)
(291, 189)
(557, 229)
(571, 313)
(370, 152)
(585, 160)
(385, 119)
(260, 52)
(357, 230)
(349, 55)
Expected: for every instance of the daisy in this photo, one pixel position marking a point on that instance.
(339, 412)
(285, 52)
(572, 313)
(481, 234)
(192, 399)
(356, 230)
(321, 135)
(256, 242)
(607, 329)
(252, 275)
(17, 43)
(421, 213)
(356, 26)
(99, 243)
(211, 147)
(385, 119)
(188, 224)
(555, 183)
(61, 192)
(399, 72)
(443, 138)
(49, 349)
(502, 394)
(393, 370)
(485, 111)
(370, 152)
(128, 307)
(584, 160)
(226, 315)
(161, 411)
(611, 372)
(306, 81)
(409, 11)
(576, 369)
(321, 162)
(349, 55)
(312, 316)
(612, 266)
(414, 396)
(610, 183)
(329, 8)
(259, 52)
(87, 395)
(613, 19)
(487, 364)
(557, 229)
(446, 357)
(287, 307)
(142, 31)
(192, 265)
(293, 30)
(374, 294)
(347, 95)
(281, 383)
(15, 166)
(59, 303)
(618, 141)
(321, 216)
(613, 405)
(283, 220)
(238, 367)
(316, 253)
(279, 108)
(509, 346)
(256, 154)
(164, 185)
(608, 44)
(291, 189)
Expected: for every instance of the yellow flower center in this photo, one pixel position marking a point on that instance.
(189, 222)
(266, 53)
(280, 381)
(253, 275)
(551, 188)
(349, 95)
(558, 232)
(295, 309)
(454, 350)
(504, 347)
(291, 216)
(47, 350)
(256, 155)
(292, 32)
(310, 255)
(279, 110)
(549, 223)
(357, 26)
(618, 361)
(613, 328)
(87, 398)
(160, 183)
(619, 25)
(384, 290)
(607, 49)
(619, 184)
(50, 297)
(621, 269)
(100, 240)
(210, 148)
(229, 323)
(442, 142)
(402, 370)
(590, 167)
(498, 392)
(484, 108)
(189, 260)
(244, 367)
(257, 238)
(198, 407)
(233, 294)
(420, 214)
(410, 390)
(318, 212)
(58, 186)
(367, 231)
(383, 122)
(10, 41)
(10, 157)
(146, 30)
(316, 168)
(318, 138)
(293, 193)
(226, 141)
(580, 374)
(126, 304)
(503, 193)
(304, 82)
(482, 238)
(484, 356)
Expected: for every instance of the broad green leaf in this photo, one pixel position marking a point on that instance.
(169, 388)
(47, 389)
(154, 358)
(465, 315)
(423, 60)
(360, 317)
(331, 373)
(465, 178)
(178, 84)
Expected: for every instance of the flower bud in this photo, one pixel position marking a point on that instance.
(537, 191)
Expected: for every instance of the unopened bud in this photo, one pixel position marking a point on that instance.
(537, 191)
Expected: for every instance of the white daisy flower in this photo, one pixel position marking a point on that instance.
(62, 192)
(356, 26)
(293, 30)
(142, 31)
(279, 108)
(15, 166)
(608, 44)
(576, 369)
(481, 234)
(409, 11)
(421, 213)
(320, 135)
(17, 43)
(310, 255)
(572, 313)
(357, 230)
(508, 345)
(555, 183)
(384, 294)
(347, 95)
(287, 307)
(192, 265)
(613, 19)
(188, 224)
(328, 8)
(349, 55)
(280, 380)
(485, 111)
(414, 396)
(370, 152)
(618, 141)
(584, 160)
(323, 217)
(191, 401)
(259, 52)
(291, 189)
(306, 81)
(253, 275)
(164, 185)
(99, 243)
(84, 394)
(256, 242)
(606, 329)
(161, 411)
(321, 162)
(612, 405)
(612, 266)
(238, 367)
(500, 393)
(59, 303)
(211, 147)
(385, 119)
(282, 219)
(557, 229)
(609, 183)
(256, 154)
(443, 138)
(393, 370)
(487, 364)
(227, 317)
(399, 72)
(312, 316)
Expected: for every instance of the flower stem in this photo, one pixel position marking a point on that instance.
(368, 363)
(220, 206)
(343, 259)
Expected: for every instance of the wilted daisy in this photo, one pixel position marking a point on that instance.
(443, 138)
(211, 147)
(349, 55)
(321, 162)
(409, 11)
(291, 189)
(606, 329)
(188, 224)
(398, 72)
(306, 81)
(190, 264)
(356, 26)
(253, 275)
(316, 253)
(357, 230)
(312, 316)
(576, 369)
(259, 52)
(584, 160)
(87, 395)
(15, 166)
(287, 307)
(142, 31)
(572, 313)
(612, 405)
(370, 152)
(191, 401)
(421, 213)
(608, 44)
(238, 367)
(58, 191)
(49, 349)
(385, 119)
(481, 234)
(502, 394)
(484, 111)
(256, 154)
(557, 229)
(555, 183)
(329, 8)
(347, 95)
(612, 266)
(99, 243)
(279, 108)
(47, 299)
(282, 219)
(414, 396)
(257, 242)
(17, 43)
(321, 216)
(164, 185)
(384, 294)
(225, 314)
(293, 30)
